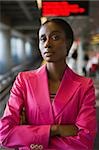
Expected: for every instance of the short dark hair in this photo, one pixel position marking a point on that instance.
(66, 28)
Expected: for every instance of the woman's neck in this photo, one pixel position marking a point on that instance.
(56, 70)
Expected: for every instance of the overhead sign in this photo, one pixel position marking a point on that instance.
(64, 8)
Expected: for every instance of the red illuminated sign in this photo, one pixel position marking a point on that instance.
(64, 8)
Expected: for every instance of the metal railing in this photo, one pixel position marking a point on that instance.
(7, 79)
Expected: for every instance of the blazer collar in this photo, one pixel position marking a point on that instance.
(64, 94)
(42, 96)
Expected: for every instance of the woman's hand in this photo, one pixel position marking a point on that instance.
(64, 130)
(67, 130)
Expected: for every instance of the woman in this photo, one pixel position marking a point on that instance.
(59, 104)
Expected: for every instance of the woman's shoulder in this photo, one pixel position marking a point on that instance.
(30, 73)
(80, 78)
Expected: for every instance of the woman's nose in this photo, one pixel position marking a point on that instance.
(47, 43)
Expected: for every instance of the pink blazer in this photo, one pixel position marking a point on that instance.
(74, 103)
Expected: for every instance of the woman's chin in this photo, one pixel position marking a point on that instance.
(48, 59)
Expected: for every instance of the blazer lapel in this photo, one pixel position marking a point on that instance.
(65, 92)
(42, 97)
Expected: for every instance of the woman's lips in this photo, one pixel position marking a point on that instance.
(48, 54)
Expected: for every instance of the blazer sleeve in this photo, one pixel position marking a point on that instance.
(86, 123)
(12, 134)
(86, 120)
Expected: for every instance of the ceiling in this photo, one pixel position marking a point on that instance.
(21, 15)
(24, 16)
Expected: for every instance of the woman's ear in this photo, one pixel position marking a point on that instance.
(68, 46)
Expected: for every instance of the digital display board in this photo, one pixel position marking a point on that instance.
(65, 8)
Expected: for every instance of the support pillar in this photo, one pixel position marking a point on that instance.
(21, 51)
(80, 59)
(5, 51)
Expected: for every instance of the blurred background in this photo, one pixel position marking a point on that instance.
(19, 24)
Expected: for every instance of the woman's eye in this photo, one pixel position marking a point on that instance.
(55, 37)
(43, 39)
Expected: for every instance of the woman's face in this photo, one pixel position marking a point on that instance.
(52, 42)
